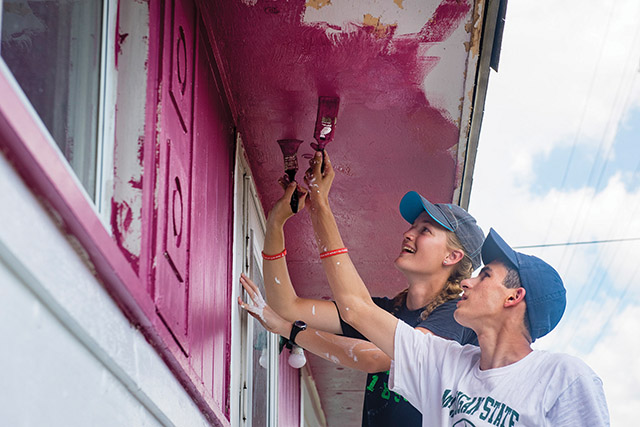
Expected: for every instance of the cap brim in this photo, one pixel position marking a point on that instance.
(494, 247)
(413, 204)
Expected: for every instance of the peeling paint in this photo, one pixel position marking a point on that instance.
(317, 4)
(121, 218)
(474, 27)
(137, 184)
(377, 28)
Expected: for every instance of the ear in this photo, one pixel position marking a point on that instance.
(453, 257)
(515, 297)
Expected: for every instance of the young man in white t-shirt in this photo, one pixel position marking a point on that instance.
(515, 299)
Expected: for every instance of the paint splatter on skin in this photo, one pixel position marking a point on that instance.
(257, 305)
(338, 263)
(313, 310)
(277, 280)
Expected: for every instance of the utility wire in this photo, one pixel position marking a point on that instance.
(584, 111)
(589, 242)
(592, 289)
(579, 224)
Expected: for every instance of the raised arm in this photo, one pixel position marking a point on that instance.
(350, 352)
(280, 293)
(353, 299)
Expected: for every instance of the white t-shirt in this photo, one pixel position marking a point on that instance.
(444, 381)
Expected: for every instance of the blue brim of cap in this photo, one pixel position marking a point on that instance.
(494, 247)
(413, 204)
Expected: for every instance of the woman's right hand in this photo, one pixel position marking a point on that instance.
(281, 211)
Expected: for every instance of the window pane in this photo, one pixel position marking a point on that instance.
(260, 392)
(53, 50)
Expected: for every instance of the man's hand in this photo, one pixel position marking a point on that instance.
(259, 309)
(319, 183)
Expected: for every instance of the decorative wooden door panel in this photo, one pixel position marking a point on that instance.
(175, 181)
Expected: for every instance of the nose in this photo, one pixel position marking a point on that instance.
(466, 283)
(408, 235)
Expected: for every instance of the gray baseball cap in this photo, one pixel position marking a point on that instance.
(451, 217)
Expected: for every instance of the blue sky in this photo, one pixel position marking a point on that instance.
(552, 170)
(569, 80)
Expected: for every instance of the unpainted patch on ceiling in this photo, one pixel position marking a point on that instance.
(318, 4)
(474, 28)
(399, 3)
(379, 29)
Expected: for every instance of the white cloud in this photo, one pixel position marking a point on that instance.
(568, 69)
(615, 360)
(560, 78)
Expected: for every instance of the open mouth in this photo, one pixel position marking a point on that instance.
(407, 249)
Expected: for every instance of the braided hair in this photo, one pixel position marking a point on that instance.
(451, 290)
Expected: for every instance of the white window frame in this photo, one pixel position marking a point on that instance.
(106, 114)
(105, 125)
(246, 246)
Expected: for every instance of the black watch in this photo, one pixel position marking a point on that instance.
(297, 327)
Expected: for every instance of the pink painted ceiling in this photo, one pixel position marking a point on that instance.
(404, 72)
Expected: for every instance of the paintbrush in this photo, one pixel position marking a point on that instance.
(289, 149)
(325, 123)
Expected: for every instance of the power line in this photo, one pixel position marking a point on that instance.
(590, 242)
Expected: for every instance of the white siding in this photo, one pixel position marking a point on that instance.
(69, 356)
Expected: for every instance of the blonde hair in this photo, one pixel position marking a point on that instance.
(452, 289)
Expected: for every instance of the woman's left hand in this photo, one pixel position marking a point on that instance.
(258, 308)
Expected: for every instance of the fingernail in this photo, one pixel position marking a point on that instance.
(318, 153)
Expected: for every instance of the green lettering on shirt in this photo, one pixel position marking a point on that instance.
(507, 411)
(372, 384)
(496, 405)
(386, 393)
(514, 418)
(475, 408)
(447, 398)
(486, 408)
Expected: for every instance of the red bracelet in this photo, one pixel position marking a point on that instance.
(333, 252)
(273, 257)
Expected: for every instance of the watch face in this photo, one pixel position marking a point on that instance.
(300, 324)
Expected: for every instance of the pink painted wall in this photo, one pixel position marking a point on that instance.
(188, 136)
(194, 195)
(289, 393)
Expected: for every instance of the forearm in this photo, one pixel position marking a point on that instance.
(352, 296)
(345, 282)
(279, 289)
(280, 293)
(350, 352)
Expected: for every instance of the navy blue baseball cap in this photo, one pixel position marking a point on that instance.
(451, 217)
(545, 297)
